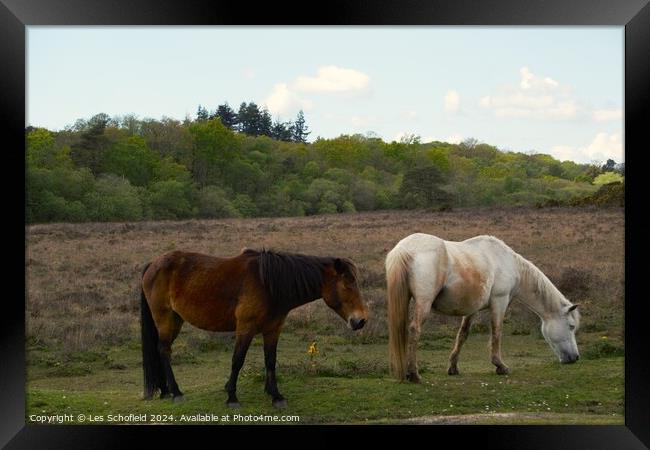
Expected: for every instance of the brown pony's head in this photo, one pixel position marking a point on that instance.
(341, 293)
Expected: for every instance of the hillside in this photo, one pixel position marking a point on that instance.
(125, 169)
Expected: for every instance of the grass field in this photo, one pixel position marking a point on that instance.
(83, 350)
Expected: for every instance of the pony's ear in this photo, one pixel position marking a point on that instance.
(339, 266)
(571, 308)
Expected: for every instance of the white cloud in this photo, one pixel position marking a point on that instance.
(603, 115)
(361, 121)
(551, 82)
(398, 137)
(530, 81)
(565, 152)
(332, 79)
(452, 101)
(563, 110)
(405, 136)
(534, 97)
(541, 97)
(409, 115)
(604, 146)
(282, 100)
(526, 78)
(249, 74)
(454, 139)
(287, 98)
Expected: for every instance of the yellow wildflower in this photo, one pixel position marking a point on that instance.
(312, 349)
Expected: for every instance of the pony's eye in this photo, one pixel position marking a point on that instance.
(572, 327)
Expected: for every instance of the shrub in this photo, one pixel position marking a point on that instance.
(611, 194)
(169, 200)
(608, 178)
(214, 203)
(245, 205)
(113, 199)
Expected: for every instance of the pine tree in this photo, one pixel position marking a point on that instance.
(299, 128)
(265, 123)
(282, 131)
(249, 119)
(241, 117)
(89, 151)
(609, 166)
(227, 116)
(202, 114)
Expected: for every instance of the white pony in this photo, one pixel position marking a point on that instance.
(460, 279)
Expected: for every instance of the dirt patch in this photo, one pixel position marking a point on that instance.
(465, 419)
(531, 418)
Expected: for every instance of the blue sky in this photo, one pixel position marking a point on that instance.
(556, 90)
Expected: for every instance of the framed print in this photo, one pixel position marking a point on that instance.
(316, 218)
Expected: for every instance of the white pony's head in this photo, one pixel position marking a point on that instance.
(559, 331)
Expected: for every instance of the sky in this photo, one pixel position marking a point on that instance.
(554, 90)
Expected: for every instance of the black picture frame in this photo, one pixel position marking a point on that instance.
(634, 15)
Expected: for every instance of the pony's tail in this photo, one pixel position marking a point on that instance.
(151, 362)
(398, 296)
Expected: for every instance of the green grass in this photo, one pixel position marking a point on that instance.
(82, 323)
(346, 382)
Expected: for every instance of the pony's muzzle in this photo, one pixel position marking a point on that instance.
(570, 360)
(357, 324)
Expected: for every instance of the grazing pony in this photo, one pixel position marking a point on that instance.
(250, 293)
(460, 279)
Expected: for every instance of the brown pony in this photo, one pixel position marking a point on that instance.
(250, 293)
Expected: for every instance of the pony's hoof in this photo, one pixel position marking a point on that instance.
(280, 404)
(166, 395)
(178, 399)
(233, 405)
(413, 377)
(453, 371)
(503, 370)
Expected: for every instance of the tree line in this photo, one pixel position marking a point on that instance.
(255, 121)
(219, 165)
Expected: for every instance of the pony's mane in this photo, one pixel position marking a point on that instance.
(292, 279)
(532, 276)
